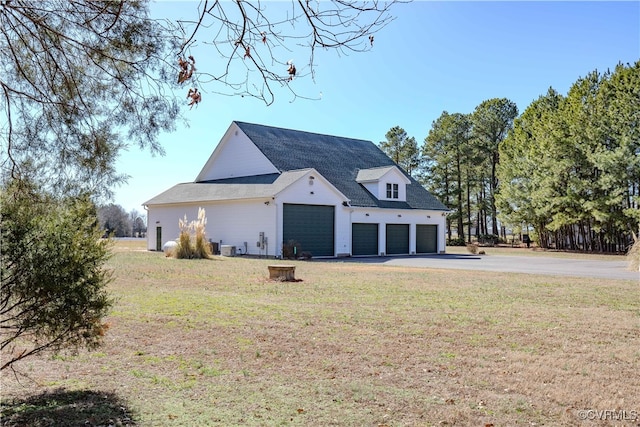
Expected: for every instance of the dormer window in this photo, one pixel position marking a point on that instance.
(384, 183)
(392, 191)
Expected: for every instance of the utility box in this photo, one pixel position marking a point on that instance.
(227, 250)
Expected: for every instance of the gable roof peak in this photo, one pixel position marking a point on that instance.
(376, 174)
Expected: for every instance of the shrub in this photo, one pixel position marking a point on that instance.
(459, 241)
(488, 239)
(291, 250)
(54, 280)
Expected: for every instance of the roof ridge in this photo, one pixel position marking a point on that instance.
(239, 123)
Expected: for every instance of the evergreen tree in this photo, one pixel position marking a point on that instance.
(448, 157)
(402, 149)
(80, 81)
(492, 121)
(53, 281)
(528, 159)
(571, 166)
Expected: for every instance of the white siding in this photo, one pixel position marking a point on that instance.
(401, 216)
(237, 222)
(394, 176)
(378, 187)
(320, 192)
(373, 188)
(232, 223)
(382, 190)
(235, 156)
(167, 218)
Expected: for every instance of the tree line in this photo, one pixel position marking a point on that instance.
(457, 163)
(571, 165)
(566, 171)
(115, 221)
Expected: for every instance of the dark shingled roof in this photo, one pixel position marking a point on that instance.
(336, 158)
(253, 179)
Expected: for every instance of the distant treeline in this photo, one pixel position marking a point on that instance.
(566, 171)
(116, 222)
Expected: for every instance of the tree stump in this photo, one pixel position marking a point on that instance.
(284, 273)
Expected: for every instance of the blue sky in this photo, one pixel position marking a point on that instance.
(434, 56)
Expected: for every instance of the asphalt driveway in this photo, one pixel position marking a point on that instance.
(512, 264)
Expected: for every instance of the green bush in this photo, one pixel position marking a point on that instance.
(53, 276)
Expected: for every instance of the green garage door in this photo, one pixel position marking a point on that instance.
(426, 239)
(311, 226)
(364, 239)
(397, 239)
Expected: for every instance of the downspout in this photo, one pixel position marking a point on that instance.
(146, 208)
(350, 231)
(275, 246)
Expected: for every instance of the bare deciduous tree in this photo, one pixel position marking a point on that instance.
(255, 40)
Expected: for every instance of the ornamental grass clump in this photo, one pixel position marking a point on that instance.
(472, 248)
(634, 255)
(192, 243)
(202, 248)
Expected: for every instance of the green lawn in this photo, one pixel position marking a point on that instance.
(194, 343)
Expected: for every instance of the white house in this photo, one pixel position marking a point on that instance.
(265, 186)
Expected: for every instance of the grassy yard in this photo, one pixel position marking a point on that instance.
(196, 343)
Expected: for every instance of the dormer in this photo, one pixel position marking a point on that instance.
(385, 183)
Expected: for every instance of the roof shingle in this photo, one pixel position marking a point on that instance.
(338, 159)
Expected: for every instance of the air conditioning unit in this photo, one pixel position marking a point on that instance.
(227, 250)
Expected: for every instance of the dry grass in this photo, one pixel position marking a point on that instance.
(213, 342)
(472, 248)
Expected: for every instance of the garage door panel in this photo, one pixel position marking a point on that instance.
(397, 239)
(312, 226)
(364, 239)
(426, 238)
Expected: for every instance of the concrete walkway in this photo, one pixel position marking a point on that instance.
(512, 264)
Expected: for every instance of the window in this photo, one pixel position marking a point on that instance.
(392, 191)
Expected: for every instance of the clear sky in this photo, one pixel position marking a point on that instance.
(434, 56)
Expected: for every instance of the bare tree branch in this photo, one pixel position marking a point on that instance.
(255, 44)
